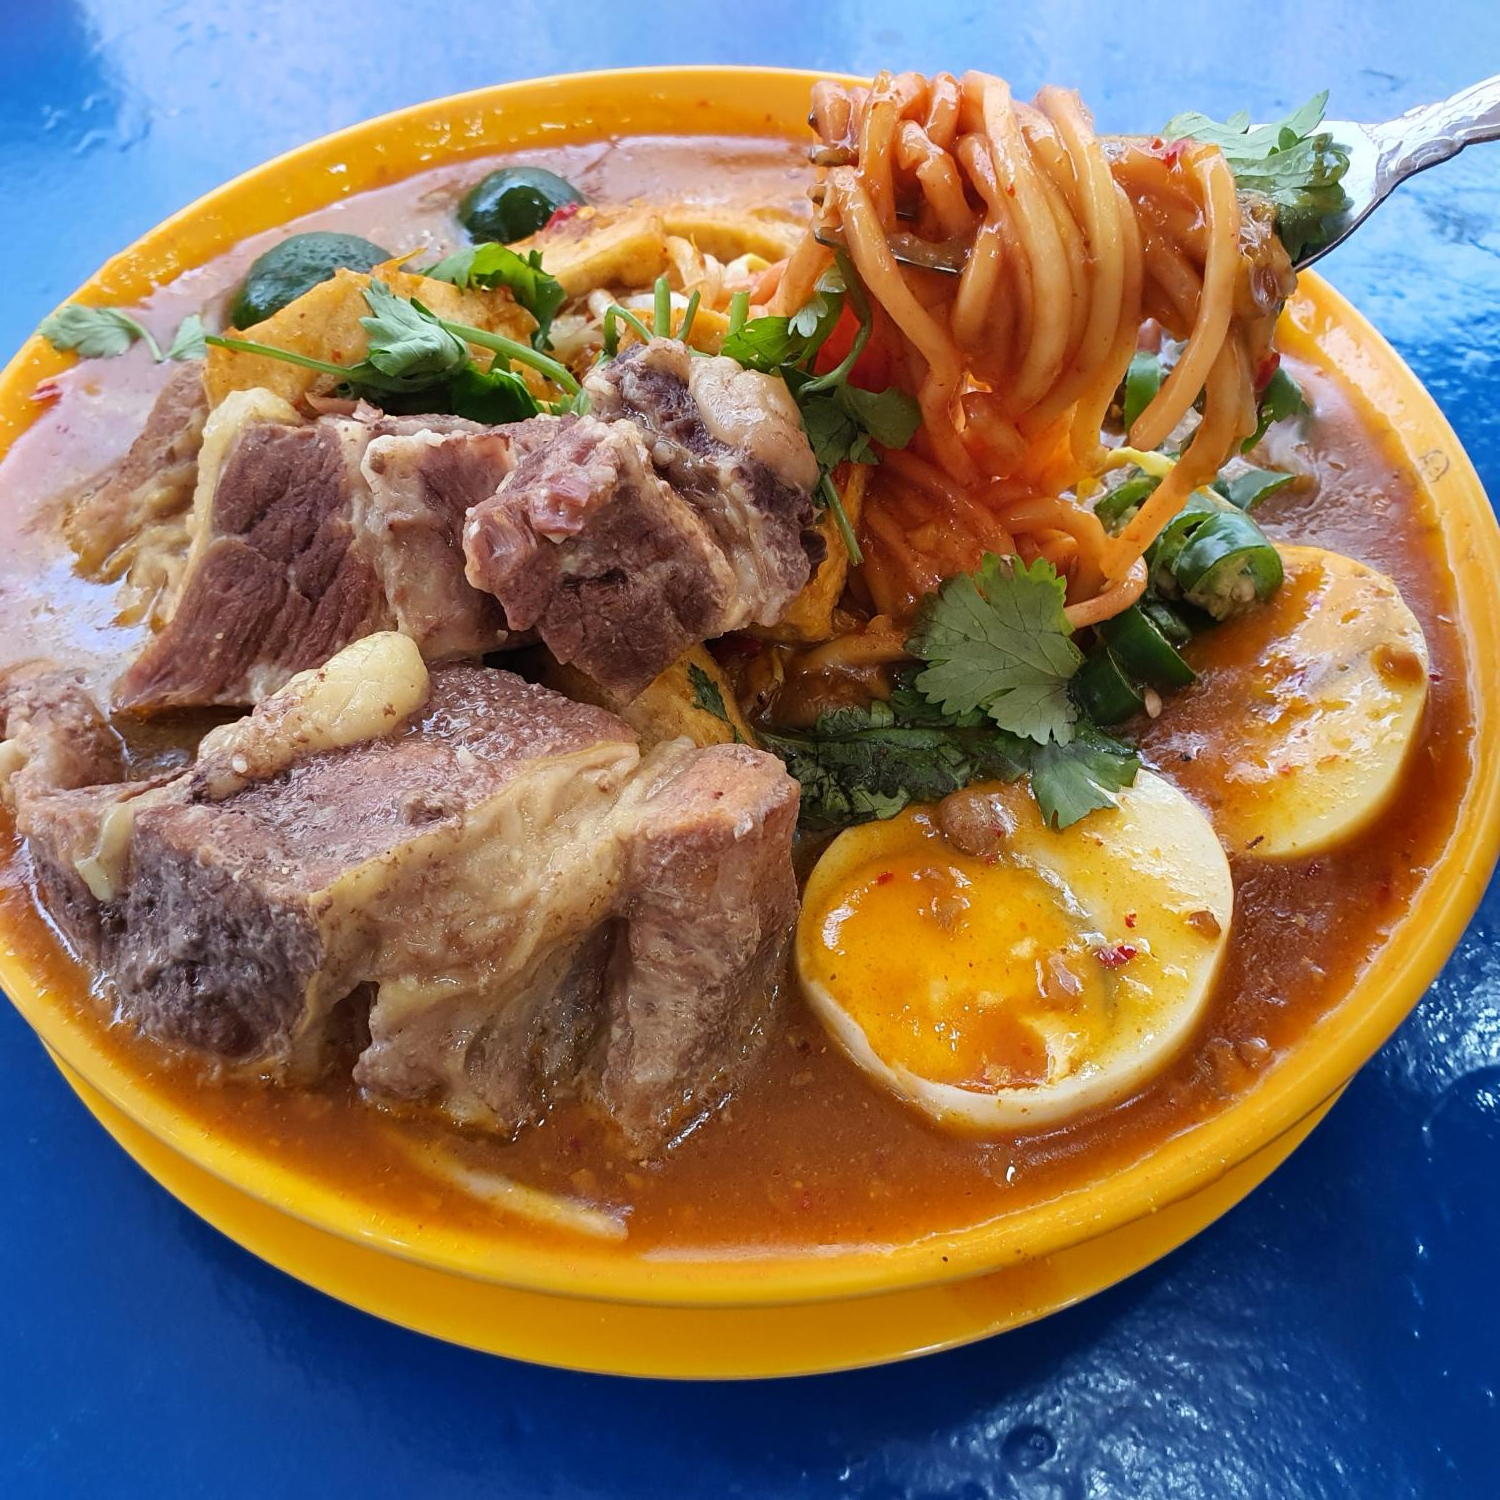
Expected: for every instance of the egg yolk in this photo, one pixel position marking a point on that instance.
(965, 971)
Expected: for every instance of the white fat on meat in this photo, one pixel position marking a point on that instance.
(755, 413)
(237, 411)
(370, 688)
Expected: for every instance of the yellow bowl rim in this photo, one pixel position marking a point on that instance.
(685, 1343)
(771, 102)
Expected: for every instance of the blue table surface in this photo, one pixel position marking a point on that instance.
(1336, 1334)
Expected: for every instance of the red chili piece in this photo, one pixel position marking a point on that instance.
(736, 647)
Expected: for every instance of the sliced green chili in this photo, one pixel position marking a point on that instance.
(1141, 649)
(1227, 564)
(1161, 555)
(1117, 506)
(1104, 690)
(1142, 382)
(1249, 487)
(1168, 620)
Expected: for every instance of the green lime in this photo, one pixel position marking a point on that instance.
(514, 202)
(295, 266)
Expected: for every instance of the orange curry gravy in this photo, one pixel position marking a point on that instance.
(808, 1153)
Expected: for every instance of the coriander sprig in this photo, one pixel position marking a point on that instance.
(994, 701)
(494, 265)
(1293, 163)
(105, 332)
(413, 354)
(997, 641)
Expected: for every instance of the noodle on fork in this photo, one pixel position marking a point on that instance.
(1067, 244)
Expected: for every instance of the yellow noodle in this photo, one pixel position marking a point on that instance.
(1068, 244)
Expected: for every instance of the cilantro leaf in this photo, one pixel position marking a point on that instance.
(842, 423)
(187, 342)
(407, 342)
(456, 269)
(912, 706)
(998, 640)
(491, 265)
(94, 332)
(492, 396)
(815, 319)
(804, 322)
(1292, 163)
(1072, 780)
(835, 780)
(764, 344)
(831, 430)
(856, 764)
(890, 417)
(707, 694)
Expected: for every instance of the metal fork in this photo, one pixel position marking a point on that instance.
(1385, 155)
(1380, 157)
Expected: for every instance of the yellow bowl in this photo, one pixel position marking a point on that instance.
(734, 101)
(739, 1342)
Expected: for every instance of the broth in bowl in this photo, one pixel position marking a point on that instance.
(555, 626)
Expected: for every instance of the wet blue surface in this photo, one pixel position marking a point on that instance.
(1335, 1335)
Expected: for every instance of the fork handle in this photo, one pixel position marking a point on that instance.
(1431, 133)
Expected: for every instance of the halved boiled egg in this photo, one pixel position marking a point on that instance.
(1016, 985)
(1310, 704)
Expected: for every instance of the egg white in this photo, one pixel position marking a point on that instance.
(1320, 740)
